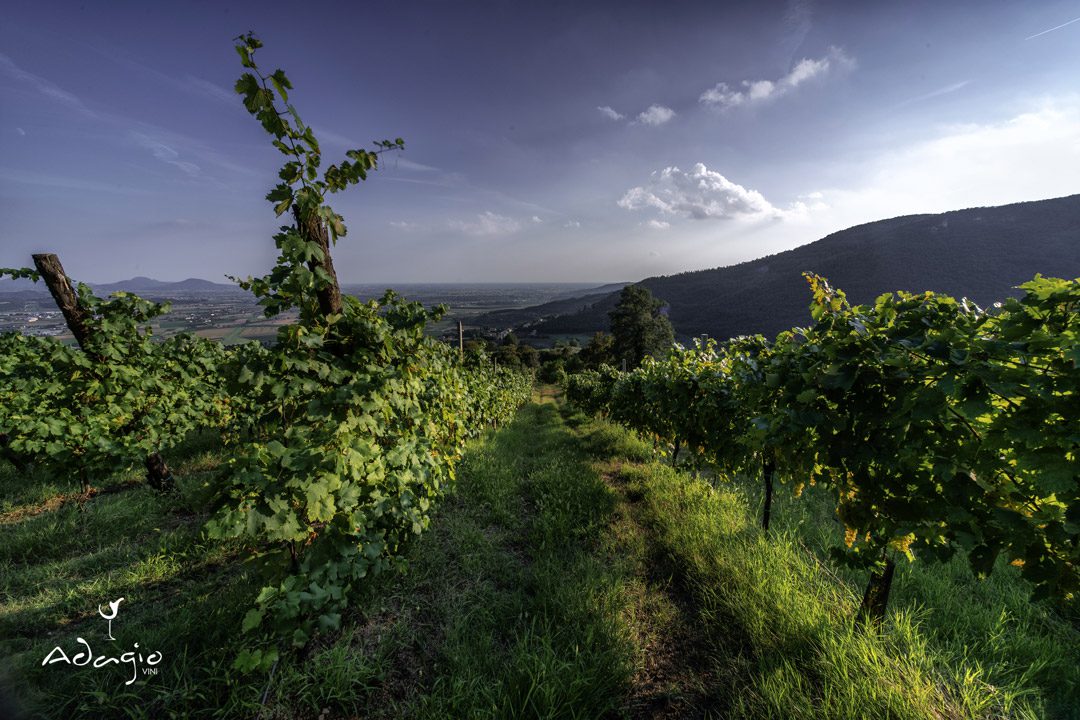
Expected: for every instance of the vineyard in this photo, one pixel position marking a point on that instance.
(357, 520)
(936, 426)
(341, 437)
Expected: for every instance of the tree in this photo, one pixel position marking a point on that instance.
(599, 351)
(530, 358)
(553, 372)
(507, 355)
(639, 327)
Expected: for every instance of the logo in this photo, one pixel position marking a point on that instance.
(146, 664)
(115, 607)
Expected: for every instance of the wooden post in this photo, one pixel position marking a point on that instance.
(460, 339)
(312, 229)
(876, 598)
(158, 474)
(76, 317)
(768, 469)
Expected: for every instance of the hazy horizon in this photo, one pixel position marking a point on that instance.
(585, 144)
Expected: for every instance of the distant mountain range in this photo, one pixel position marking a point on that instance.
(148, 286)
(979, 253)
(139, 285)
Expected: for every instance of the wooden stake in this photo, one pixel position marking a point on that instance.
(460, 339)
(768, 469)
(876, 598)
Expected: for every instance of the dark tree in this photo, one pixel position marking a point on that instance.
(599, 351)
(507, 353)
(530, 358)
(639, 327)
(553, 372)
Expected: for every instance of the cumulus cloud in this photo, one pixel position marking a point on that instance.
(487, 223)
(657, 225)
(536, 219)
(609, 113)
(752, 92)
(699, 194)
(655, 115)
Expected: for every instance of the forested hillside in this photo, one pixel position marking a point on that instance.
(979, 253)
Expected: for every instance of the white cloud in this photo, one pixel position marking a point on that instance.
(655, 115)
(657, 225)
(936, 93)
(609, 113)
(58, 182)
(699, 194)
(211, 90)
(487, 223)
(1033, 155)
(750, 92)
(403, 162)
(571, 224)
(166, 154)
(536, 219)
(43, 86)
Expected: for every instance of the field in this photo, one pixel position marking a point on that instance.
(571, 574)
(232, 316)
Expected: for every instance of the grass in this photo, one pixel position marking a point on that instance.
(988, 630)
(570, 575)
(952, 647)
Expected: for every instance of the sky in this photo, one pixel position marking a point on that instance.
(555, 141)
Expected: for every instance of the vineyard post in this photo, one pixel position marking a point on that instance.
(768, 469)
(460, 339)
(876, 598)
(675, 453)
(158, 474)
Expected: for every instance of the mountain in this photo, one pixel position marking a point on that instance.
(145, 286)
(560, 306)
(978, 253)
(160, 288)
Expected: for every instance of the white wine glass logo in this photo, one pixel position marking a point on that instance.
(114, 608)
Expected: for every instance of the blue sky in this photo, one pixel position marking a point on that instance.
(544, 141)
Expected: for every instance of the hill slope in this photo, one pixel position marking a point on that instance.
(979, 253)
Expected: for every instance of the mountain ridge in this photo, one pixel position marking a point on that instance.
(981, 253)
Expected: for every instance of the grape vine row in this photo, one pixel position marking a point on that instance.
(936, 425)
